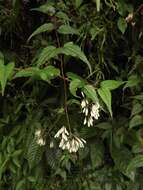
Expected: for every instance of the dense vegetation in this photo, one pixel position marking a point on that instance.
(71, 95)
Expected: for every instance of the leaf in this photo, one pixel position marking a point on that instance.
(49, 72)
(137, 108)
(105, 95)
(136, 121)
(121, 159)
(46, 54)
(28, 72)
(34, 153)
(74, 50)
(132, 81)
(90, 92)
(62, 16)
(122, 25)
(104, 125)
(97, 153)
(111, 84)
(5, 74)
(47, 27)
(47, 8)
(66, 29)
(74, 85)
(68, 49)
(20, 184)
(78, 3)
(136, 162)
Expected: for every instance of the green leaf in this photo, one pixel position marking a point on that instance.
(136, 162)
(62, 16)
(47, 8)
(74, 50)
(105, 95)
(90, 92)
(132, 81)
(28, 72)
(5, 74)
(111, 84)
(47, 27)
(97, 153)
(20, 184)
(68, 49)
(74, 85)
(104, 125)
(136, 121)
(78, 3)
(137, 108)
(122, 25)
(49, 72)
(46, 54)
(121, 159)
(66, 29)
(34, 153)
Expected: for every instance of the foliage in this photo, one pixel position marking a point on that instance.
(53, 55)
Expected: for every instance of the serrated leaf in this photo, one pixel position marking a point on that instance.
(136, 121)
(97, 153)
(66, 29)
(74, 85)
(5, 74)
(47, 27)
(111, 84)
(136, 162)
(122, 25)
(106, 97)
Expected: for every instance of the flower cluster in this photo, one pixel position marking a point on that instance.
(39, 138)
(72, 144)
(91, 111)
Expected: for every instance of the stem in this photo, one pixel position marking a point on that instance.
(65, 86)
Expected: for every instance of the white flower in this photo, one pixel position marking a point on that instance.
(63, 130)
(40, 141)
(51, 144)
(72, 144)
(91, 111)
(85, 121)
(38, 133)
(83, 104)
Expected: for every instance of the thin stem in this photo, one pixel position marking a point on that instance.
(65, 86)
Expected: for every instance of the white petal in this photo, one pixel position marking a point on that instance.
(59, 132)
(85, 121)
(86, 111)
(61, 143)
(83, 104)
